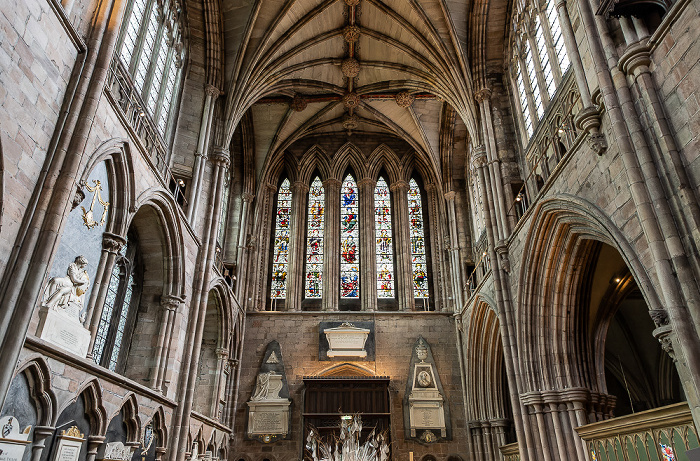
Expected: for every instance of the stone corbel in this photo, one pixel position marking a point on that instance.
(588, 120)
(112, 243)
(503, 259)
(220, 156)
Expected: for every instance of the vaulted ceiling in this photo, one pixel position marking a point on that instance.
(346, 67)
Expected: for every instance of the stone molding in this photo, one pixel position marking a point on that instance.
(112, 243)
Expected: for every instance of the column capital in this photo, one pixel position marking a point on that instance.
(212, 91)
(248, 197)
(269, 187)
(170, 302)
(366, 182)
(222, 353)
(220, 156)
(449, 196)
(484, 94)
(113, 243)
(332, 182)
(400, 185)
(479, 156)
(300, 187)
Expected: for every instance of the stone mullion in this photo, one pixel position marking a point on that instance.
(403, 273)
(297, 234)
(368, 247)
(331, 246)
(112, 244)
(572, 51)
(437, 248)
(529, 95)
(551, 51)
(537, 61)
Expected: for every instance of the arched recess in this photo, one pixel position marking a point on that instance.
(214, 354)
(347, 370)
(575, 266)
(158, 231)
(125, 425)
(383, 158)
(488, 405)
(31, 389)
(348, 158)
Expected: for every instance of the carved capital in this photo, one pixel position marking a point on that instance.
(449, 196)
(170, 302)
(479, 156)
(300, 187)
(401, 186)
(482, 95)
(588, 119)
(332, 183)
(659, 316)
(112, 243)
(269, 187)
(664, 334)
(248, 197)
(222, 353)
(212, 91)
(366, 182)
(220, 156)
(635, 60)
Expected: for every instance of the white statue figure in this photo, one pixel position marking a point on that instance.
(68, 293)
(267, 386)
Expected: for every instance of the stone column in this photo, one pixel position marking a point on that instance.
(542, 430)
(112, 244)
(93, 445)
(222, 359)
(169, 305)
(331, 245)
(368, 247)
(246, 200)
(297, 245)
(41, 433)
(212, 93)
(404, 267)
(456, 272)
(436, 220)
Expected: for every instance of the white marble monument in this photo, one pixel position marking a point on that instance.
(70, 442)
(12, 441)
(268, 413)
(114, 451)
(62, 311)
(346, 341)
(426, 405)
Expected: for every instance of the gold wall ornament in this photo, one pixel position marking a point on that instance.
(73, 431)
(88, 217)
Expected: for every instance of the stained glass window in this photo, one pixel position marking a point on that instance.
(417, 233)
(385, 247)
(280, 256)
(314, 240)
(544, 58)
(349, 240)
(557, 38)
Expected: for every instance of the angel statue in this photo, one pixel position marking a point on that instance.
(68, 293)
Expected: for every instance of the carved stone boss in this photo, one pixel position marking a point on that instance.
(12, 441)
(268, 407)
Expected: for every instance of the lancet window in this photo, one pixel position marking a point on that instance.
(539, 59)
(150, 51)
(385, 245)
(118, 311)
(314, 240)
(349, 239)
(280, 252)
(417, 233)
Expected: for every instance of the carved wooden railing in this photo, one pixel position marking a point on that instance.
(510, 452)
(132, 110)
(643, 436)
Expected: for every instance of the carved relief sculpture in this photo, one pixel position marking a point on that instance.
(68, 293)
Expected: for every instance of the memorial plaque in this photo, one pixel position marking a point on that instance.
(64, 331)
(268, 422)
(70, 442)
(12, 441)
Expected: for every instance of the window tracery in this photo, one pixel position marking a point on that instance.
(384, 245)
(539, 60)
(280, 256)
(314, 240)
(349, 239)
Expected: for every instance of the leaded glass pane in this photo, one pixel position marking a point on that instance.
(147, 52)
(557, 37)
(132, 31)
(385, 246)
(280, 255)
(349, 240)
(106, 317)
(167, 98)
(158, 74)
(544, 58)
(314, 240)
(532, 76)
(123, 315)
(523, 102)
(417, 233)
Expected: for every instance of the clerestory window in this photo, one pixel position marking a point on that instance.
(150, 49)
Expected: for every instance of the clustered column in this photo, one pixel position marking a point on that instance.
(368, 268)
(404, 268)
(454, 251)
(331, 246)
(169, 305)
(297, 244)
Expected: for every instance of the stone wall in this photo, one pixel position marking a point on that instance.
(395, 335)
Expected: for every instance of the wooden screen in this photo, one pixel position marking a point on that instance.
(326, 399)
